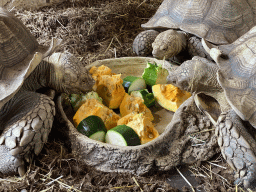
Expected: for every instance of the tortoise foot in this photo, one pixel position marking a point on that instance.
(246, 177)
(238, 147)
(25, 132)
(10, 164)
(195, 48)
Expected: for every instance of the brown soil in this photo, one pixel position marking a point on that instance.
(94, 30)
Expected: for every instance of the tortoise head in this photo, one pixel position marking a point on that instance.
(168, 44)
(182, 76)
(195, 75)
(70, 74)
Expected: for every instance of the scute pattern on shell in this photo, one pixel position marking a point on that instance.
(20, 53)
(218, 21)
(16, 42)
(237, 75)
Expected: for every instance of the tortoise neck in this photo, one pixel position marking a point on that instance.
(43, 76)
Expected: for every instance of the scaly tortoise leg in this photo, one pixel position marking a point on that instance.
(238, 147)
(195, 48)
(142, 44)
(26, 122)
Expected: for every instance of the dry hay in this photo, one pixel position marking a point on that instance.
(94, 30)
(91, 29)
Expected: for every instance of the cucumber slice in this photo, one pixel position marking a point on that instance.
(122, 135)
(132, 83)
(74, 99)
(154, 74)
(98, 136)
(93, 127)
(149, 99)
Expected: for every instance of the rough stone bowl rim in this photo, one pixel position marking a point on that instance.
(64, 116)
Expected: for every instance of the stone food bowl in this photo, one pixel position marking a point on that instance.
(176, 145)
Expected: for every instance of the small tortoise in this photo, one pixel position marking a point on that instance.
(181, 22)
(26, 116)
(226, 93)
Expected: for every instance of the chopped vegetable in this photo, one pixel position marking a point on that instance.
(132, 83)
(110, 89)
(77, 100)
(122, 135)
(154, 74)
(93, 127)
(169, 96)
(148, 98)
(134, 104)
(94, 107)
(101, 70)
(141, 125)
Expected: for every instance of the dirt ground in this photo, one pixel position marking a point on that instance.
(94, 30)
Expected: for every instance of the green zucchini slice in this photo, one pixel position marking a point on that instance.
(132, 83)
(122, 135)
(149, 99)
(93, 127)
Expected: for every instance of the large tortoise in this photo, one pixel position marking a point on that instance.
(226, 93)
(182, 22)
(26, 116)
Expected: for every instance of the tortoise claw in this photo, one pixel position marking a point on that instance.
(21, 170)
(10, 164)
(247, 177)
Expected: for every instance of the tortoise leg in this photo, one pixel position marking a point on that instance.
(26, 121)
(237, 145)
(195, 48)
(142, 44)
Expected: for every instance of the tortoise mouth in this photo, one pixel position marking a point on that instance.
(155, 55)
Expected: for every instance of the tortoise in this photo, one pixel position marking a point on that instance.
(226, 93)
(178, 25)
(26, 116)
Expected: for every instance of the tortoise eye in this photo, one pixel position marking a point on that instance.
(164, 48)
(67, 78)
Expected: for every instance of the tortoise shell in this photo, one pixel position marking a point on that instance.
(237, 75)
(20, 53)
(218, 21)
